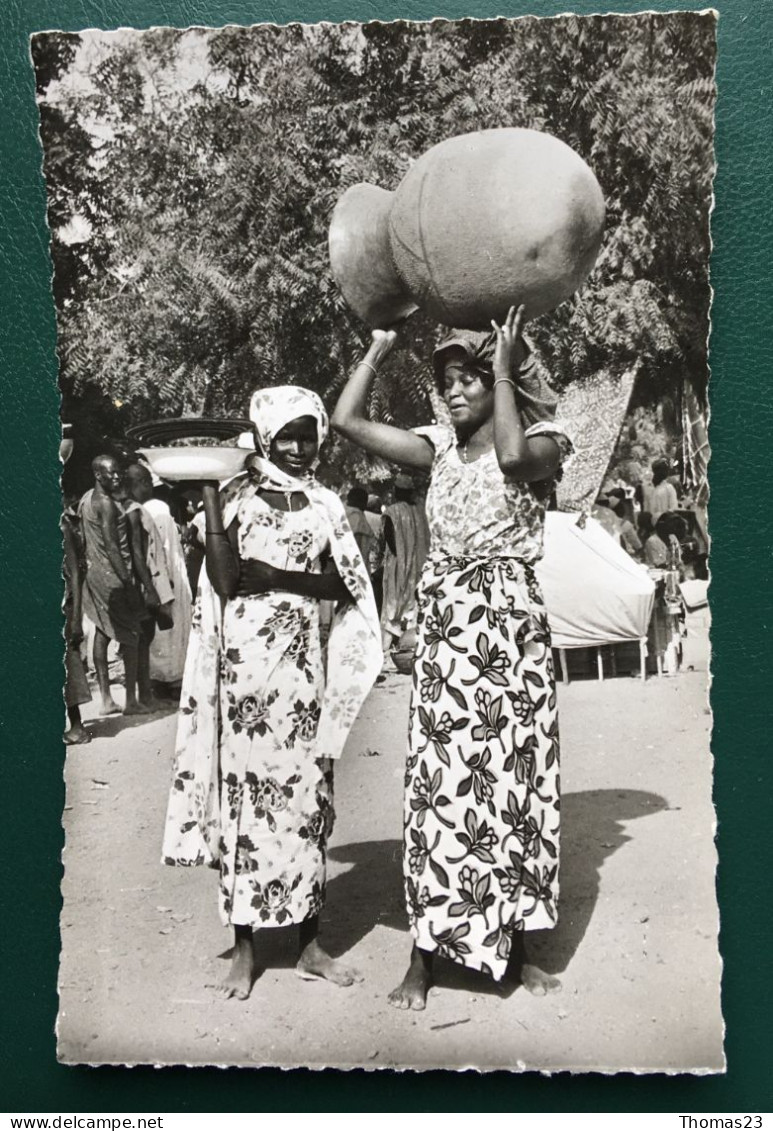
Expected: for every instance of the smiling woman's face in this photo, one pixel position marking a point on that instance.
(469, 398)
(295, 447)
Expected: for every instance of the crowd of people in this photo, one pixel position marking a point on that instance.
(133, 553)
(126, 588)
(298, 595)
(656, 520)
(660, 526)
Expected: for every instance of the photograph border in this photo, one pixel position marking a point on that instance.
(741, 404)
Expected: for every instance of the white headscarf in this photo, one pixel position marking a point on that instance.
(271, 409)
(354, 655)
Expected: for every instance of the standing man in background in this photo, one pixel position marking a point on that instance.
(111, 595)
(659, 496)
(169, 646)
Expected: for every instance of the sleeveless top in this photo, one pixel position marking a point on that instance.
(475, 510)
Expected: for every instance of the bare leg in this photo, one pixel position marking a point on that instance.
(144, 689)
(388, 641)
(130, 662)
(238, 982)
(522, 968)
(314, 962)
(412, 991)
(101, 644)
(76, 732)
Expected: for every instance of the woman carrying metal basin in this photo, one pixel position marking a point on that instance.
(259, 720)
(481, 810)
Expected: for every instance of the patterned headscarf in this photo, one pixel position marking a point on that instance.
(271, 409)
(534, 396)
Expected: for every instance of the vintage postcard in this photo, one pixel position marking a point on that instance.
(384, 393)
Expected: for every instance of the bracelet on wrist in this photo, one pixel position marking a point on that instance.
(215, 533)
(504, 381)
(372, 368)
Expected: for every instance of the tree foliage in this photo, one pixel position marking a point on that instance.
(201, 169)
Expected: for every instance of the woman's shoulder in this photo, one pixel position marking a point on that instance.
(234, 493)
(440, 436)
(243, 487)
(329, 498)
(557, 432)
(230, 487)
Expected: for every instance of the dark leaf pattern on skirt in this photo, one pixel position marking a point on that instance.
(482, 784)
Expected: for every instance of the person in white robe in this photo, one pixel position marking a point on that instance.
(168, 648)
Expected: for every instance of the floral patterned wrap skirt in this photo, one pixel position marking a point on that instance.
(277, 792)
(274, 810)
(482, 778)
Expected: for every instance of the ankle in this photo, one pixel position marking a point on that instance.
(311, 950)
(422, 960)
(307, 934)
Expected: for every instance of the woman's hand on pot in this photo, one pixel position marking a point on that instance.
(381, 344)
(256, 577)
(507, 341)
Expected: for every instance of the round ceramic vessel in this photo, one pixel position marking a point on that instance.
(481, 222)
(360, 258)
(490, 220)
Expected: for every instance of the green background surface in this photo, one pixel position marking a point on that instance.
(32, 716)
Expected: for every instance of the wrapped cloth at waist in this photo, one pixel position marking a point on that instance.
(501, 588)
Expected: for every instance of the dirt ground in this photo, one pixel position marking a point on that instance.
(636, 946)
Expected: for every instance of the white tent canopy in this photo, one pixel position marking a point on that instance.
(594, 591)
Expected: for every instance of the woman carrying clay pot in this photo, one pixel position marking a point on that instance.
(481, 813)
(252, 790)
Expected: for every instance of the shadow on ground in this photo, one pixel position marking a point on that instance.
(108, 726)
(593, 827)
(368, 894)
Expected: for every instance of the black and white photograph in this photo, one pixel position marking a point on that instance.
(384, 372)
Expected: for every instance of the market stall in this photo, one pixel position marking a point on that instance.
(596, 594)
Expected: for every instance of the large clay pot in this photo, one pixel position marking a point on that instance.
(479, 223)
(361, 259)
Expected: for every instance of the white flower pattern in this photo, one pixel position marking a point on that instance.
(252, 790)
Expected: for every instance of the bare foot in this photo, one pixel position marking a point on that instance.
(136, 708)
(109, 707)
(240, 978)
(539, 982)
(76, 735)
(522, 970)
(412, 991)
(316, 963)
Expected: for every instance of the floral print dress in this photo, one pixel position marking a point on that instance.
(481, 809)
(268, 828)
(277, 792)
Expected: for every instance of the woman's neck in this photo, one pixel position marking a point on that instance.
(480, 439)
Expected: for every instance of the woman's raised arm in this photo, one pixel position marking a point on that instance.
(350, 414)
(528, 459)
